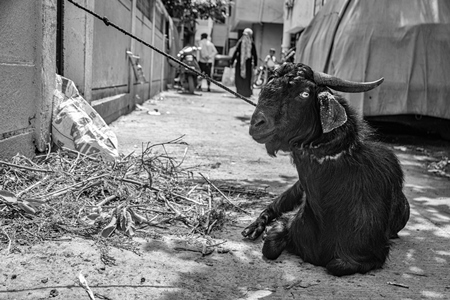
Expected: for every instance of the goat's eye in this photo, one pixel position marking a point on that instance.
(304, 95)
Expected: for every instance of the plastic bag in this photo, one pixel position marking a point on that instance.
(77, 126)
(228, 76)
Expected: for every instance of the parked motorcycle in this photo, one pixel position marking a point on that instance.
(188, 78)
(262, 74)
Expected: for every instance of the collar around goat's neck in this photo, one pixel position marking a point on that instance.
(317, 153)
(326, 151)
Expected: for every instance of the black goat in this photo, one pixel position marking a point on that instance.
(348, 199)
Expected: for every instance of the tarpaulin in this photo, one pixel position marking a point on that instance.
(405, 41)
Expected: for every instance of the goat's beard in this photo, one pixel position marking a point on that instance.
(283, 139)
(271, 149)
(275, 145)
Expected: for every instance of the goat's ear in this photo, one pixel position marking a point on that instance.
(332, 113)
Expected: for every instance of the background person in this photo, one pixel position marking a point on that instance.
(246, 58)
(270, 59)
(206, 57)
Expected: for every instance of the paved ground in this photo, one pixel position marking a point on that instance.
(215, 125)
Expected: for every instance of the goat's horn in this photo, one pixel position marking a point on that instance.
(342, 85)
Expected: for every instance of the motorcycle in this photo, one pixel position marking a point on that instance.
(188, 78)
(262, 74)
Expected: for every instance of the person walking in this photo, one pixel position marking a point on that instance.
(207, 53)
(245, 55)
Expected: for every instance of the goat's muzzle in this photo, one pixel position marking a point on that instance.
(261, 127)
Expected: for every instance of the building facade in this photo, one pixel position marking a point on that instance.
(297, 15)
(265, 18)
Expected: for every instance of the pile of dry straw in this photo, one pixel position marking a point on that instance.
(66, 193)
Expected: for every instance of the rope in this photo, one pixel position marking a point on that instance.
(109, 23)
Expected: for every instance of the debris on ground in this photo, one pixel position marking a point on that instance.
(441, 167)
(398, 284)
(83, 283)
(77, 125)
(437, 162)
(66, 193)
(154, 112)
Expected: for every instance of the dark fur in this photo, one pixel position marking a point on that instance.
(349, 205)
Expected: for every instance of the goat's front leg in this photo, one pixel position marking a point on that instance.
(287, 201)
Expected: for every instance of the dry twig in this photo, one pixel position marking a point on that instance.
(8, 249)
(398, 284)
(223, 195)
(24, 167)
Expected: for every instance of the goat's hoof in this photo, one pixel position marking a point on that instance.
(274, 242)
(271, 252)
(254, 230)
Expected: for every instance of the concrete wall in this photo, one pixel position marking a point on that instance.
(158, 62)
(95, 54)
(265, 18)
(299, 16)
(203, 26)
(247, 12)
(27, 68)
(220, 35)
(144, 30)
(110, 62)
(267, 36)
(217, 33)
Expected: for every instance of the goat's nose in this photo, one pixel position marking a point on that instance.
(258, 120)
